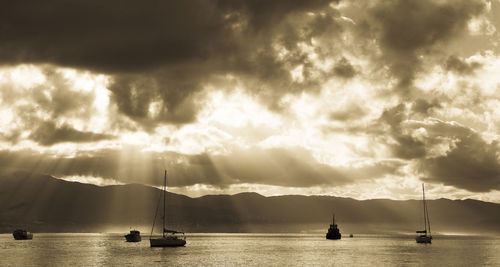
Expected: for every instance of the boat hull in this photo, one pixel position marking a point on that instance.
(333, 236)
(133, 238)
(22, 235)
(424, 239)
(167, 242)
(26, 236)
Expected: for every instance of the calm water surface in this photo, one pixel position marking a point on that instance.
(249, 250)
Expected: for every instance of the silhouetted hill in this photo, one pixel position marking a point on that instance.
(45, 204)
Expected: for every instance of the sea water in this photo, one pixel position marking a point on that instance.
(249, 250)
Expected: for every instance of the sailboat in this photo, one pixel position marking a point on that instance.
(333, 231)
(170, 238)
(425, 235)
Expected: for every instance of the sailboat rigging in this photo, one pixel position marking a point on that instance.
(425, 235)
(169, 238)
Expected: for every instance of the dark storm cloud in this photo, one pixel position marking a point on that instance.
(169, 47)
(351, 112)
(110, 35)
(134, 94)
(48, 134)
(402, 144)
(284, 167)
(343, 68)
(445, 152)
(460, 66)
(409, 29)
(425, 107)
(471, 163)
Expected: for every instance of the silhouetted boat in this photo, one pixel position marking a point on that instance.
(133, 236)
(425, 235)
(351, 235)
(333, 231)
(170, 238)
(20, 234)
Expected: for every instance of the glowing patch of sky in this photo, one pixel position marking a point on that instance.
(225, 115)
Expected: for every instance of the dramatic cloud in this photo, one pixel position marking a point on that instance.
(403, 144)
(425, 107)
(48, 134)
(460, 66)
(457, 156)
(351, 112)
(163, 52)
(46, 105)
(319, 96)
(344, 68)
(410, 29)
(444, 152)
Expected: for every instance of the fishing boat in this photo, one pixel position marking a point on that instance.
(133, 236)
(425, 236)
(169, 238)
(20, 234)
(333, 231)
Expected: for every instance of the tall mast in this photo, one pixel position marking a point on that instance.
(423, 204)
(164, 191)
(427, 215)
(333, 218)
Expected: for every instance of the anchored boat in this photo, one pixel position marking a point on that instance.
(333, 231)
(133, 236)
(169, 238)
(20, 234)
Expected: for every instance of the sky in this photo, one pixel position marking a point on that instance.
(361, 99)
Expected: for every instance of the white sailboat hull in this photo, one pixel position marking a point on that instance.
(167, 242)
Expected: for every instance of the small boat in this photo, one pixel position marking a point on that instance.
(20, 234)
(425, 236)
(133, 236)
(333, 231)
(169, 238)
(351, 235)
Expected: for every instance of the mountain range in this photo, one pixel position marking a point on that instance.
(41, 203)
